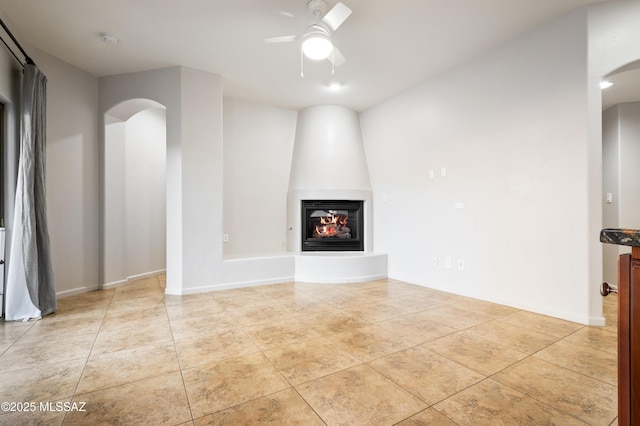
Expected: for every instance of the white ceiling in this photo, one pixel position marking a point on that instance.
(390, 45)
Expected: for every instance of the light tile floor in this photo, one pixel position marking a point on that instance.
(376, 353)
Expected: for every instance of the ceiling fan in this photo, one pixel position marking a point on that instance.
(316, 39)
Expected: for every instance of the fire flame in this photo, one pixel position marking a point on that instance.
(331, 225)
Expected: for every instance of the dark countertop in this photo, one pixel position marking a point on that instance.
(623, 237)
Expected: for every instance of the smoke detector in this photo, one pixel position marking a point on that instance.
(109, 38)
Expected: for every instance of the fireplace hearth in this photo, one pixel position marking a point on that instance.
(332, 225)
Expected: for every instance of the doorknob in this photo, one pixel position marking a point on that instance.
(605, 289)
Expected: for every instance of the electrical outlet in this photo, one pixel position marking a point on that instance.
(447, 262)
(434, 261)
(225, 238)
(461, 264)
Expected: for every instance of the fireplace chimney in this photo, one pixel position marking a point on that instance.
(329, 163)
(328, 153)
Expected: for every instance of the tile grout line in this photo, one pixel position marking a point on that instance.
(75, 389)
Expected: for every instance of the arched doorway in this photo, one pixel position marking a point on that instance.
(620, 149)
(134, 163)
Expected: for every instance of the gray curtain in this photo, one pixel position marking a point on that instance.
(30, 290)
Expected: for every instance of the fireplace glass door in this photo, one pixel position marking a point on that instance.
(332, 225)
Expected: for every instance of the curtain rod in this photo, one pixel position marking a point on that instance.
(27, 59)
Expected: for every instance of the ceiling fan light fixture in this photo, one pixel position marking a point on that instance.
(317, 46)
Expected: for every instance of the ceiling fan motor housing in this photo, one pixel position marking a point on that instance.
(317, 8)
(316, 29)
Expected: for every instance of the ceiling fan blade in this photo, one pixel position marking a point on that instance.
(281, 39)
(337, 57)
(336, 16)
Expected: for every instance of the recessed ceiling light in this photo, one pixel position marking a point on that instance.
(335, 85)
(605, 84)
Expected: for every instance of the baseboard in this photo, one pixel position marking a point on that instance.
(567, 316)
(146, 275)
(232, 285)
(76, 291)
(114, 284)
(338, 280)
(132, 278)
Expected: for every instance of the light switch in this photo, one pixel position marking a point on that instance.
(431, 174)
(443, 171)
(609, 198)
(447, 262)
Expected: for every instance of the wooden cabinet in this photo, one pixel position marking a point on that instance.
(629, 338)
(628, 323)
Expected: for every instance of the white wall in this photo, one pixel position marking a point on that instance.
(629, 183)
(134, 191)
(202, 164)
(193, 101)
(511, 130)
(610, 178)
(114, 163)
(145, 183)
(164, 87)
(72, 173)
(258, 145)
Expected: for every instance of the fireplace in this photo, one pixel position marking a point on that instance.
(332, 225)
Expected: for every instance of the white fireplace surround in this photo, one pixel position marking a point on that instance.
(329, 163)
(334, 267)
